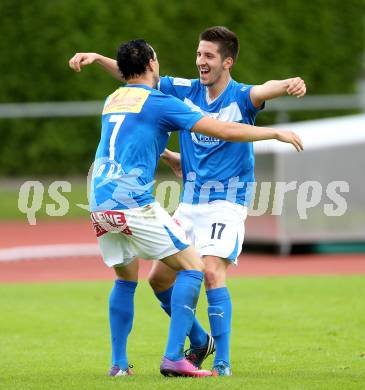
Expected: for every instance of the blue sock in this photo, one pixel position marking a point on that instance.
(165, 300)
(121, 313)
(198, 336)
(220, 318)
(184, 299)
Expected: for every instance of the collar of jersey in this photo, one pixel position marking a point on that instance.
(210, 102)
(138, 86)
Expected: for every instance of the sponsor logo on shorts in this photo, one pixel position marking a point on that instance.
(109, 221)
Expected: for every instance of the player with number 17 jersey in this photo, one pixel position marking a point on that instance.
(217, 175)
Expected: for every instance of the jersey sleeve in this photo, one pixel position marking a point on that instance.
(177, 115)
(244, 97)
(175, 86)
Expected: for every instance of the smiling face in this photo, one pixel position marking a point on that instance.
(211, 66)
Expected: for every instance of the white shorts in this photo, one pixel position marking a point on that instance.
(147, 232)
(216, 228)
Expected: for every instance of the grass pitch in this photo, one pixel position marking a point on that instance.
(288, 333)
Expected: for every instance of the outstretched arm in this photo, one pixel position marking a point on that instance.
(274, 88)
(79, 60)
(239, 132)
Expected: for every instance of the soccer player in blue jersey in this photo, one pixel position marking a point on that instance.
(216, 177)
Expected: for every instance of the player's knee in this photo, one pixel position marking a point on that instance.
(197, 266)
(159, 283)
(193, 263)
(190, 260)
(213, 278)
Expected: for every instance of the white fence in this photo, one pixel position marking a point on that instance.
(90, 108)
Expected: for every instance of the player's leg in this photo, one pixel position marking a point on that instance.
(220, 236)
(154, 235)
(162, 279)
(199, 338)
(184, 299)
(219, 311)
(121, 314)
(117, 253)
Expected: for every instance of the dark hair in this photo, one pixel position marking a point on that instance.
(133, 57)
(226, 39)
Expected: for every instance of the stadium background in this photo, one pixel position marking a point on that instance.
(300, 332)
(322, 41)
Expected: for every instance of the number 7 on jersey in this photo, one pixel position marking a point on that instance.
(118, 120)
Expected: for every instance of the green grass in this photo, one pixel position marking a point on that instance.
(288, 333)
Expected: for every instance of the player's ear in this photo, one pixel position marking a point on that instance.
(151, 65)
(228, 63)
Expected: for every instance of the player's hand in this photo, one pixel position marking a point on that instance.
(173, 160)
(80, 60)
(291, 138)
(296, 87)
(175, 164)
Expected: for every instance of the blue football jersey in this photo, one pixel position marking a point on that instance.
(136, 122)
(214, 169)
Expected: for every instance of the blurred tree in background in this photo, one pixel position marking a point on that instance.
(320, 40)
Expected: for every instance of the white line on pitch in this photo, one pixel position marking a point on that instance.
(48, 251)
